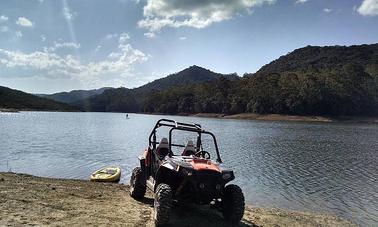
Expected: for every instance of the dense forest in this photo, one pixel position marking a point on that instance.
(332, 81)
(14, 99)
(308, 81)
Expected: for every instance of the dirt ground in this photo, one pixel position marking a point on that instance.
(29, 200)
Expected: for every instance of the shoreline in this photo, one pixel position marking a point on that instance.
(295, 118)
(9, 110)
(31, 200)
(241, 116)
(12, 110)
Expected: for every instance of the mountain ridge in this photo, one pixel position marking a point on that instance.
(74, 95)
(19, 100)
(191, 75)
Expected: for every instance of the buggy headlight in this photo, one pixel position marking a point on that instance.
(226, 176)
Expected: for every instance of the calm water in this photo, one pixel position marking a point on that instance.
(319, 167)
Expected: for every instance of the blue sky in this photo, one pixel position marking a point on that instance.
(48, 46)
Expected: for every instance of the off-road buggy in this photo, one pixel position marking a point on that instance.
(187, 177)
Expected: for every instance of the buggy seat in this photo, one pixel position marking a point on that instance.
(189, 149)
(163, 149)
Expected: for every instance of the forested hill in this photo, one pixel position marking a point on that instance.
(192, 75)
(334, 80)
(15, 99)
(321, 58)
(112, 100)
(132, 100)
(309, 81)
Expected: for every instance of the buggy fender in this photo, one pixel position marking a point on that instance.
(163, 173)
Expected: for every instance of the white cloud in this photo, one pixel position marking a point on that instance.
(3, 18)
(18, 34)
(327, 10)
(4, 29)
(368, 8)
(198, 14)
(150, 35)
(53, 65)
(123, 38)
(182, 38)
(111, 36)
(68, 14)
(24, 22)
(301, 1)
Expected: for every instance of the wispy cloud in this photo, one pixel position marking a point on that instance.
(18, 34)
(150, 35)
(58, 45)
(327, 10)
(43, 38)
(182, 38)
(24, 22)
(4, 28)
(3, 18)
(97, 49)
(111, 36)
(68, 13)
(301, 1)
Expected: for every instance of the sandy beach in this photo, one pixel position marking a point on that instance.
(30, 200)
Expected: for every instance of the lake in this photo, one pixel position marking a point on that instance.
(317, 167)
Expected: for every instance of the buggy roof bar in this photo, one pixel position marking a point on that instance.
(174, 125)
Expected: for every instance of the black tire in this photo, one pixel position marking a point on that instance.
(162, 204)
(137, 186)
(233, 204)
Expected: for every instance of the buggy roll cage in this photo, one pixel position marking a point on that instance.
(174, 125)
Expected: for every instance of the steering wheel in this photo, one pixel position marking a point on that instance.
(204, 154)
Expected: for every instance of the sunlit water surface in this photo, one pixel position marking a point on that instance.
(319, 167)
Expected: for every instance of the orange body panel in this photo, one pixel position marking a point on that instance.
(200, 164)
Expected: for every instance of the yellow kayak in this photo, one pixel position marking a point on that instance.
(107, 174)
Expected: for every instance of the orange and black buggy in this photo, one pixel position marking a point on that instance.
(189, 176)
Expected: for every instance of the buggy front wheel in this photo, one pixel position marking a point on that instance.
(162, 204)
(233, 204)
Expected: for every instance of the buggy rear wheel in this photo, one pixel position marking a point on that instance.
(233, 204)
(137, 188)
(162, 204)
